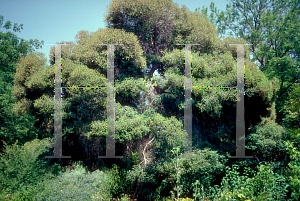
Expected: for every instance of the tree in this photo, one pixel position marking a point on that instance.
(151, 21)
(271, 27)
(12, 48)
(161, 121)
(292, 112)
(159, 26)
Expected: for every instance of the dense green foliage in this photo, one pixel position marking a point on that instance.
(272, 28)
(149, 110)
(12, 48)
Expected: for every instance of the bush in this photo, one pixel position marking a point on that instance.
(267, 140)
(20, 165)
(79, 184)
(294, 165)
(264, 185)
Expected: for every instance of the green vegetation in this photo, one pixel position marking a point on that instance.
(149, 110)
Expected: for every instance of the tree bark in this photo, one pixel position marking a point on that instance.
(154, 67)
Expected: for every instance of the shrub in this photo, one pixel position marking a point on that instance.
(20, 165)
(264, 185)
(294, 165)
(79, 184)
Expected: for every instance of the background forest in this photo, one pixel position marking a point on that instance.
(149, 109)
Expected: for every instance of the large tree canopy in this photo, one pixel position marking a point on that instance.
(149, 110)
(160, 25)
(272, 27)
(12, 48)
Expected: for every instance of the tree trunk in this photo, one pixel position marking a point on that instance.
(154, 67)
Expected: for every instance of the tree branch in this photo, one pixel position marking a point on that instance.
(145, 160)
(281, 93)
